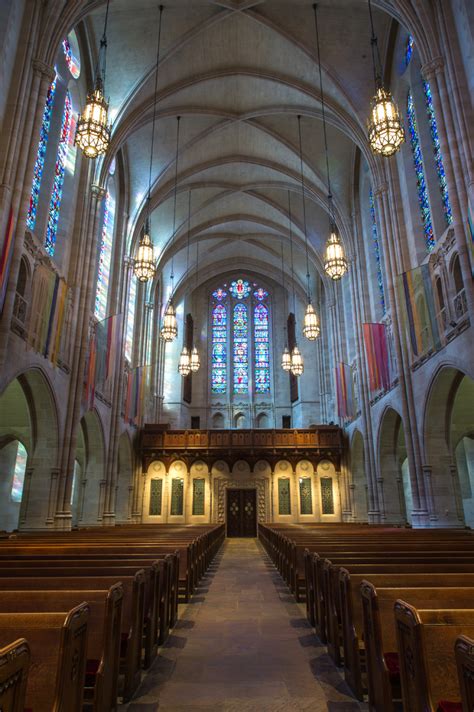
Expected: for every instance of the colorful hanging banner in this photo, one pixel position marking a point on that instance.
(104, 348)
(420, 310)
(137, 389)
(48, 307)
(345, 391)
(5, 259)
(376, 350)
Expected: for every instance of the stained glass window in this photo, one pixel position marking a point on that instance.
(177, 496)
(132, 299)
(39, 163)
(105, 258)
(219, 349)
(19, 473)
(239, 289)
(199, 488)
(306, 500)
(241, 354)
(56, 195)
(437, 153)
(72, 61)
(220, 294)
(327, 496)
(375, 242)
(409, 50)
(260, 294)
(423, 198)
(284, 501)
(262, 349)
(156, 496)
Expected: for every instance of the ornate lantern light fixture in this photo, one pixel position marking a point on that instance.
(169, 329)
(189, 361)
(311, 326)
(144, 267)
(384, 125)
(335, 262)
(93, 128)
(297, 363)
(195, 361)
(184, 363)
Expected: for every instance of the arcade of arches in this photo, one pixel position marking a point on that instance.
(96, 424)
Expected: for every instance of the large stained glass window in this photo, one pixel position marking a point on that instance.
(375, 242)
(262, 349)
(409, 50)
(73, 62)
(105, 258)
(241, 349)
(19, 473)
(39, 163)
(437, 153)
(423, 198)
(219, 348)
(239, 289)
(56, 196)
(132, 300)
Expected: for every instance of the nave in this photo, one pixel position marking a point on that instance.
(243, 644)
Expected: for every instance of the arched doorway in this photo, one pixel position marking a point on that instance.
(448, 434)
(124, 485)
(392, 454)
(90, 449)
(359, 479)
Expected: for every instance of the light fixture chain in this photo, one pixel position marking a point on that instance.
(101, 59)
(291, 254)
(157, 64)
(376, 60)
(323, 110)
(304, 210)
(175, 198)
(189, 233)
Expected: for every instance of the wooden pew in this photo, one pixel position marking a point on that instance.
(58, 643)
(132, 614)
(14, 666)
(464, 654)
(103, 639)
(426, 640)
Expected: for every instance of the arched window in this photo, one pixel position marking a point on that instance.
(40, 157)
(375, 241)
(240, 333)
(457, 275)
(423, 198)
(132, 300)
(105, 257)
(56, 195)
(19, 473)
(437, 154)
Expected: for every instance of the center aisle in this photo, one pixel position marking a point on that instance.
(243, 644)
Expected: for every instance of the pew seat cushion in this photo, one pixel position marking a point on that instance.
(445, 706)
(393, 666)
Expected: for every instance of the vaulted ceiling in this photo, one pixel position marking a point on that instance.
(238, 74)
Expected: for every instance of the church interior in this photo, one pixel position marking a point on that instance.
(236, 357)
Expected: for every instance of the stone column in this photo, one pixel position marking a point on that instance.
(20, 193)
(434, 73)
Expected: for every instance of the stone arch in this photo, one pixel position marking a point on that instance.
(391, 455)
(124, 484)
(178, 484)
(359, 479)
(328, 494)
(240, 421)
(28, 414)
(199, 500)
(261, 420)
(93, 482)
(448, 419)
(153, 505)
(218, 421)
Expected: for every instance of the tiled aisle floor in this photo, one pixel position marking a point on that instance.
(243, 645)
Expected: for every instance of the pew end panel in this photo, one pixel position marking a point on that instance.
(464, 655)
(14, 666)
(354, 660)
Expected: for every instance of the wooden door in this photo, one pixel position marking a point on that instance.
(241, 513)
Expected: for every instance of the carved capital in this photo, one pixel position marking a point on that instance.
(43, 69)
(380, 189)
(97, 191)
(432, 68)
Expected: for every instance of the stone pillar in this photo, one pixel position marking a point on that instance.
(427, 472)
(18, 201)
(434, 73)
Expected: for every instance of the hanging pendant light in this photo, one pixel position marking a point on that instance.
(335, 262)
(311, 327)
(144, 267)
(93, 128)
(195, 362)
(297, 364)
(184, 363)
(286, 359)
(286, 356)
(384, 125)
(169, 330)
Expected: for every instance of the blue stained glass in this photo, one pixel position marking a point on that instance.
(56, 195)
(39, 164)
(239, 289)
(423, 199)
(19, 473)
(260, 294)
(241, 356)
(409, 50)
(262, 349)
(219, 295)
(72, 62)
(130, 325)
(219, 349)
(105, 258)
(375, 241)
(448, 214)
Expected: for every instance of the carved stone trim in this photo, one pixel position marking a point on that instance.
(222, 484)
